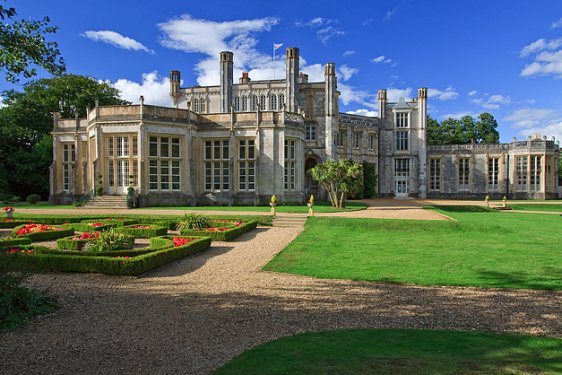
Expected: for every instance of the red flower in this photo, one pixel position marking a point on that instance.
(33, 228)
(16, 250)
(98, 224)
(87, 236)
(179, 241)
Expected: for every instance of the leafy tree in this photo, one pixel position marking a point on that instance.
(339, 178)
(463, 131)
(27, 119)
(24, 46)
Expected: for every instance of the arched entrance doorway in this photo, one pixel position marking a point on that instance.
(310, 186)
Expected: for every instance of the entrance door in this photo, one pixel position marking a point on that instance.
(401, 178)
(401, 189)
(122, 176)
(310, 185)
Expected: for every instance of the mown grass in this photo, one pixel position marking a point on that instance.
(548, 207)
(481, 248)
(369, 351)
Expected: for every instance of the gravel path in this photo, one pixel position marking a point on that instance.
(195, 314)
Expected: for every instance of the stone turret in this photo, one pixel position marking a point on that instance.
(422, 108)
(331, 107)
(381, 97)
(226, 75)
(175, 78)
(292, 80)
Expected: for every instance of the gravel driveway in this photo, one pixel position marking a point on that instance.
(196, 314)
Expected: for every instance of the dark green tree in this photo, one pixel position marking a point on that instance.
(369, 180)
(463, 131)
(487, 129)
(24, 47)
(27, 119)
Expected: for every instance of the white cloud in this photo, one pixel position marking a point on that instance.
(492, 101)
(364, 112)
(394, 94)
(545, 63)
(529, 121)
(209, 38)
(117, 40)
(458, 115)
(541, 45)
(2, 102)
(448, 94)
(155, 89)
(389, 14)
(346, 72)
(472, 93)
(381, 59)
(556, 24)
(348, 53)
(324, 28)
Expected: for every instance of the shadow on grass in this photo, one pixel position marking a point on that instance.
(496, 279)
(462, 208)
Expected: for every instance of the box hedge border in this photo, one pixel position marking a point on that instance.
(116, 222)
(44, 236)
(226, 235)
(14, 241)
(154, 231)
(12, 223)
(110, 265)
(67, 243)
(87, 226)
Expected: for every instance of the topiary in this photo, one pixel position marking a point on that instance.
(194, 221)
(33, 198)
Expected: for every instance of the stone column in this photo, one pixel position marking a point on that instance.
(292, 80)
(330, 109)
(226, 76)
(422, 113)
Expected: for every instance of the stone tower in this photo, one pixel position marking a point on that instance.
(422, 108)
(381, 97)
(226, 75)
(330, 108)
(292, 80)
(175, 78)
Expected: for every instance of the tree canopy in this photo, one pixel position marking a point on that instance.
(26, 121)
(339, 178)
(464, 131)
(24, 47)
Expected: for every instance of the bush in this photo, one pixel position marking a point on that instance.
(116, 222)
(111, 240)
(11, 241)
(232, 230)
(143, 231)
(12, 223)
(33, 198)
(76, 243)
(121, 264)
(195, 221)
(100, 226)
(369, 180)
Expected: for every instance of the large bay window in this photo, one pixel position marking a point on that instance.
(164, 163)
(217, 168)
(290, 165)
(68, 158)
(493, 174)
(434, 174)
(246, 165)
(464, 173)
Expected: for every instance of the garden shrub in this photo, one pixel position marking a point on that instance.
(143, 231)
(41, 232)
(163, 242)
(223, 230)
(12, 223)
(116, 222)
(14, 241)
(195, 221)
(111, 240)
(98, 226)
(111, 265)
(33, 198)
(77, 242)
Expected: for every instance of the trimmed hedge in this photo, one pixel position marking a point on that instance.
(163, 242)
(67, 243)
(14, 241)
(116, 222)
(7, 223)
(226, 235)
(110, 265)
(153, 231)
(46, 235)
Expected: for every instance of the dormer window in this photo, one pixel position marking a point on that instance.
(402, 120)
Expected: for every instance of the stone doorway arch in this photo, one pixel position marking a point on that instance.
(310, 186)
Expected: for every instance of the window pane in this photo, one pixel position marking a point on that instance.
(175, 147)
(164, 147)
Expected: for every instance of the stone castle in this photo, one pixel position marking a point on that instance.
(240, 143)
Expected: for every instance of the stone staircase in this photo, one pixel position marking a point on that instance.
(289, 221)
(107, 201)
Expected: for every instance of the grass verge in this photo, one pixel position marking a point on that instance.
(369, 351)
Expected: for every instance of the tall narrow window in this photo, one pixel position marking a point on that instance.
(310, 132)
(202, 105)
(290, 165)
(273, 102)
(195, 105)
(535, 176)
(402, 120)
(110, 146)
(135, 146)
(356, 140)
(217, 169)
(246, 165)
(464, 173)
(244, 103)
(262, 103)
(402, 176)
(434, 174)
(372, 141)
(237, 104)
(401, 141)
(68, 157)
(493, 174)
(340, 136)
(281, 101)
(254, 102)
(164, 168)
(521, 165)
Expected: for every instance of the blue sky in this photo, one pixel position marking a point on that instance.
(503, 57)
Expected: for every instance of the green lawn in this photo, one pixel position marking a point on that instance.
(369, 351)
(537, 207)
(319, 207)
(25, 205)
(481, 248)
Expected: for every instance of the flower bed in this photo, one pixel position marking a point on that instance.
(41, 232)
(114, 221)
(143, 231)
(164, 242)
(97, 226)
(121, 264)
(12, 223)
(76, 242)
(223, 230)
